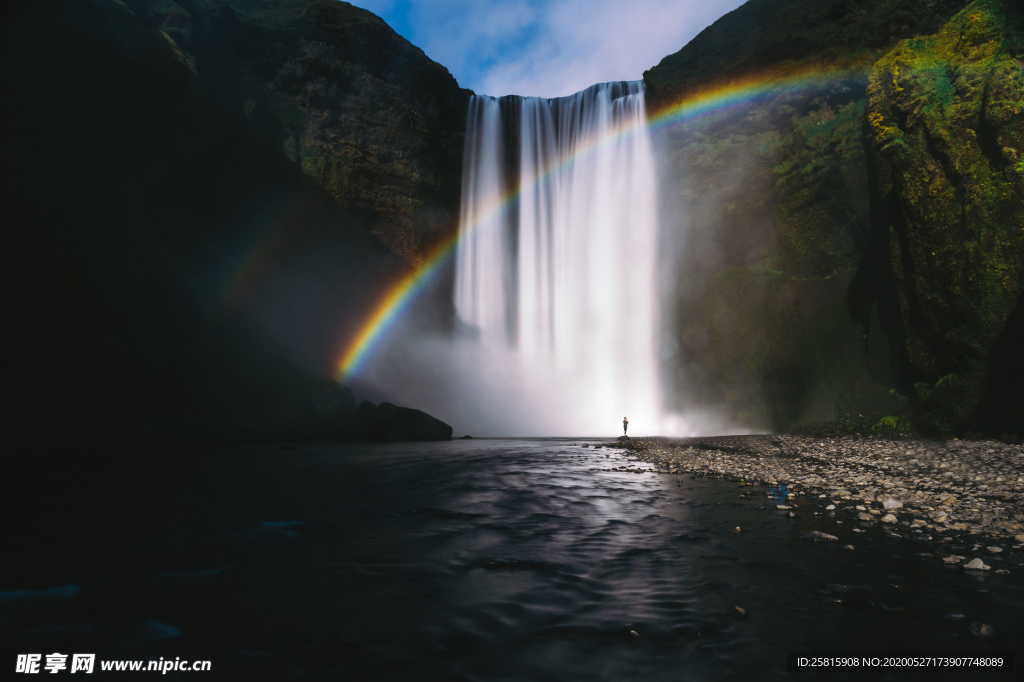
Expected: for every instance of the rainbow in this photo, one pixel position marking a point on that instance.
(722, 96)
(390, 305)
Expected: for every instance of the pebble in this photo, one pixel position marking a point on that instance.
(954, 488)
(740, 610)
(849, 547)
(994, 549)
(819, 535)
(953, 559)
(983, 630)
(976, 564)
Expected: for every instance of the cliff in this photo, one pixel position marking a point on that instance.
(855, 234)
(209, 197)
(361, 111)
(946, 113)
(211, 192)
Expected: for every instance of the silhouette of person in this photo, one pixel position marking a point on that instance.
(625, 425)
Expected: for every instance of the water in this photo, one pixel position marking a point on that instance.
(463, 560)
(555, 266)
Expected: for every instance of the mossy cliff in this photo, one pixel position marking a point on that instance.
(946, 113)
(855, 242)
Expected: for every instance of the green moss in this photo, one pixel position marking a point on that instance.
(821, 195)
(892, 425)
(921, 147)
(945, 112)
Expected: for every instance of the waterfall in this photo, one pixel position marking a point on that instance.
(555, 264)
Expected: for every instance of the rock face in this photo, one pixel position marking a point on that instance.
(766, 33)
(362, 112)
(859, 232)
(210, 196)
(946, 112)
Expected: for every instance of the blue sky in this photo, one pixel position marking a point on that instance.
(547, 48)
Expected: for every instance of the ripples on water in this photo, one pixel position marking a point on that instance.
(477, 560)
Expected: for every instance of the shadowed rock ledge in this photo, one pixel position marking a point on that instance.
(387, 422)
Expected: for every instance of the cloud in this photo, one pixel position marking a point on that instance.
(470, 37)
(548, 48)
(581, 42)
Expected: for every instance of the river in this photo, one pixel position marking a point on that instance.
(543, 559)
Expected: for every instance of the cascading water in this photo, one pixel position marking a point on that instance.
(555, 267)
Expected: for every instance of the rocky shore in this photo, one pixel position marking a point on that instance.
(964, 497)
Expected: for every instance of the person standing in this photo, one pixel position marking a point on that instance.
(625, 425)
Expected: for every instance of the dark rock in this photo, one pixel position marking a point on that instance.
(220, 212)
(362, 112)
(387, 422)
(981, 630)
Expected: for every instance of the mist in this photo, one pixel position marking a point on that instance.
(564, 294)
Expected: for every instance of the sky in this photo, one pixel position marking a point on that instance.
(547, 48)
